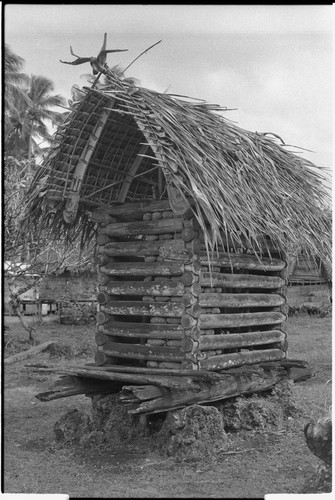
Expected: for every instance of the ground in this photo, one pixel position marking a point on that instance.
(262, 462)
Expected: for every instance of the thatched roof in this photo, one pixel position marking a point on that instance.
(241, 182)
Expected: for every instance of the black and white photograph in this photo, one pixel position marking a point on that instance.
(167, 250)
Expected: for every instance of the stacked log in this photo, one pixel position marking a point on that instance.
(243, 308)
(141, 294)
(166, 303)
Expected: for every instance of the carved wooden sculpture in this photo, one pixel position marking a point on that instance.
(97, 63)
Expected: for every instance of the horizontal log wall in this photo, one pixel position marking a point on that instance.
(164, 302)
(142, 295)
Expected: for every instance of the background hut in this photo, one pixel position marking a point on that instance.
(310, 286)
(193, 219)
(72, 293)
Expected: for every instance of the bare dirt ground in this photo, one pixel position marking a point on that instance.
(265, 462)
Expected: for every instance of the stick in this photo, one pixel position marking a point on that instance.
(146, 50)
(26, 354)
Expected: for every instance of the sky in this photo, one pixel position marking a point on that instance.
(273, 63)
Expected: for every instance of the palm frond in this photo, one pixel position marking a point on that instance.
(246, 184)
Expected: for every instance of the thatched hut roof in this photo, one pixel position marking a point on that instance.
(241, 182)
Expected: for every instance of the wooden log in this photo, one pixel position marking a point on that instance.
(141, 248)
(136, 351)
(166, 236)
(186, 256)
(188, 278)
(72, 386)
(156, 342)
(143, 227)
(151, 288)
(238, 300)
(233, 246)
(241, 280)
(141, 392)
(100, 358)
(188, 234)
(103, 279)
(242, 261)
(101, 338)
(27, 354)
(141, 330)
(143, 268)
(102, 239)
(229, 385)
(170, 364)
(100, 217)
(239, 340)
(194, 245)
(138, 209)
(203, 375)
(240, 320)
(175, 382)
(139, 308)
(188, 321)
(225, 361)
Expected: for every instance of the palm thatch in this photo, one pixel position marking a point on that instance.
(243, 183)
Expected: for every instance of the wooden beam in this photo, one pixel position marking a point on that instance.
(135, 378)
(238, 300)
(140, 330)
(143, 268)
(161, 226)
(230, 384)
(72, 202)
(151, 288)
(225, 361)
(131, 173)
(137, 351)
(242, 261)
(241, 280)
(239, 340)
(137, 209)
(240, 320)
(141, 248)
(139, 308)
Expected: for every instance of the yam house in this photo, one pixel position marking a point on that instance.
(193, 219)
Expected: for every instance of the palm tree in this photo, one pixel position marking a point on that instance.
(34, 117)
(15, 87)
(14, 78)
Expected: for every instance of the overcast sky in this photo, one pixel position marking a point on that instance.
(273, 63)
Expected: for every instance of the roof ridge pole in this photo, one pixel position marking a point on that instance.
(72, 202)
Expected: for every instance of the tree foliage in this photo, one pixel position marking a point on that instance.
(30, 109)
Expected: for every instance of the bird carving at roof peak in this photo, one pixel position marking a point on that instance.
(98, 63)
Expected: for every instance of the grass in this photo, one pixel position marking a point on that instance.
(279, 462)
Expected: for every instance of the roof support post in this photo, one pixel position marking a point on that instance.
(131, 174)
